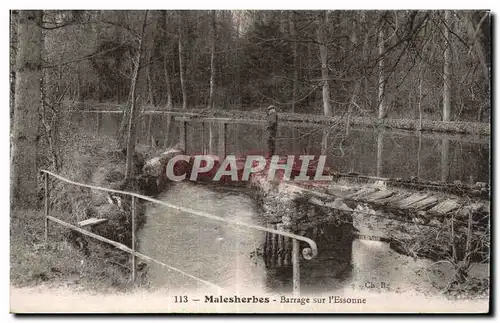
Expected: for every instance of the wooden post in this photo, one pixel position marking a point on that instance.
(210, 138)
(296, 268)
(203, 138)
(222, 140)
(183, 136)
(133, 240)
(47, 201)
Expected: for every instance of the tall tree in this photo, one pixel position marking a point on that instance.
(12, 63)
(24, 147)
(447, 68)
(165, 61)
(134, 111)
(212, 60)
(293, 35)
(181, 61)
(382, 97)
(322, 22)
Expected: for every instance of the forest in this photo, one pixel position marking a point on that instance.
(426, 65)
(416, 84)
(387, 63)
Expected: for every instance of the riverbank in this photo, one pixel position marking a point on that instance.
(70, 257)
(452, 127)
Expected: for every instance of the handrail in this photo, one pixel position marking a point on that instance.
(307, 253)
(129, 250)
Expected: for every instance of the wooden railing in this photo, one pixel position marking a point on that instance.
(308, 253)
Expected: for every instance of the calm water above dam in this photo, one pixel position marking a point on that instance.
(397, 154)
(228, 256)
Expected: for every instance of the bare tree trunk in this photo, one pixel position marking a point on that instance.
(357, 85)
(150, 100)
(24, 152)
(420, 81)
(165, 64)
(134, 112)
(167, 81)
(13, 54)
(181, 64)
(212, 62)
(480, 41)
(323, 51)
(447, 69)
(382, 100)
(295, 56)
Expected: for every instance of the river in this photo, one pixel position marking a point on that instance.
(228, 256)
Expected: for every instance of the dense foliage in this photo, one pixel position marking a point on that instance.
(264, 57)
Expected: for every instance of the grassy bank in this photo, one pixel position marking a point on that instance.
(61, 262)
(70, 257)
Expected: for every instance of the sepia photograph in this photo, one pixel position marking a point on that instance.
(250, 161)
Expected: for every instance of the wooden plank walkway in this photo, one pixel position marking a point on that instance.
(428, 204)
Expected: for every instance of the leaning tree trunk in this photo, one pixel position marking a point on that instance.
(447, 69)
(181, 64)
(134, 112)
(24, 169)
(212, 62)
(323, 51)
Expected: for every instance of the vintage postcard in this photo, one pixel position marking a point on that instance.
(250, 161)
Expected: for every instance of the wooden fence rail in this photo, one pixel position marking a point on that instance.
(307, 253)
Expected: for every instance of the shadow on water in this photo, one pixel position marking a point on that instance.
(231, 256)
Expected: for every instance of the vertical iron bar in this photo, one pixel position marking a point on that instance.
(47, 201)
(133, 240)
(296, 268)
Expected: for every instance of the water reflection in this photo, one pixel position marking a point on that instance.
(365, 151)
(231, 256)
